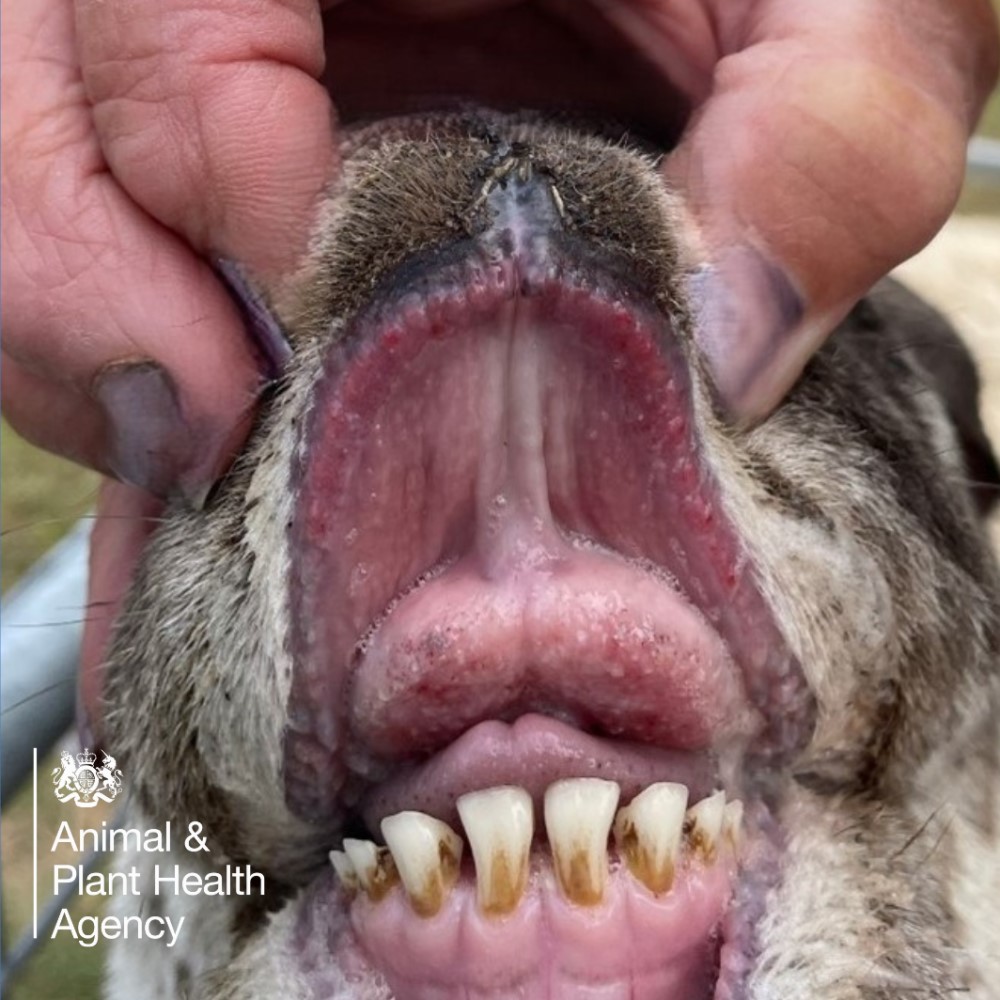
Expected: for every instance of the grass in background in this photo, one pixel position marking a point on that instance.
(60, 969)
(43, 497)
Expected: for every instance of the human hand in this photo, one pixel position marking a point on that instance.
(122, 350)
(826, 145)
(829, 148)
(132, 152)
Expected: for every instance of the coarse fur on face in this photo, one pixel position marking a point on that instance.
(853, 508)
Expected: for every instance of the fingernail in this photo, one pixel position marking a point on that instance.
(746, 310)
(151, 445)
(265, 331)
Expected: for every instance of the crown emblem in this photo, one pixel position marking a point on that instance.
(85, 782)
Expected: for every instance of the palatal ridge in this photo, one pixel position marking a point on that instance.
(654, 834)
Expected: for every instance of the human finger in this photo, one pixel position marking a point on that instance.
(98, 299)
(831, 148)
(211, 116)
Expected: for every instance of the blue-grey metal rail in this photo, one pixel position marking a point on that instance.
(984, 159)
(41, 623)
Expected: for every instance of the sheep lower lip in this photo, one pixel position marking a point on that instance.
(532, 753)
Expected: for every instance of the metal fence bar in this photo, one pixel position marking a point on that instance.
(41, 624)
(983, 160)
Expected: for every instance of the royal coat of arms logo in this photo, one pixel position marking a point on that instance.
(82, 780)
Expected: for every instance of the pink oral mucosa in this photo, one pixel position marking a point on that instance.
(504, 518)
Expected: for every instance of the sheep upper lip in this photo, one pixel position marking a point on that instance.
(590, 635)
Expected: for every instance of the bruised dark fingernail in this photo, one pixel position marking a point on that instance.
(151, 444)
(746, 310)
(265, 331)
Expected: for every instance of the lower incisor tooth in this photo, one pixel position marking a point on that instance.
(499, 823)
(578, 816)
(648, 834)
(703, 826)
(374, 867)
(732, 825)
(345, 870)
(428, 854)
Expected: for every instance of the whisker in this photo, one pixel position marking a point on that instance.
(39, 693)
(53, 623)
(74, 518)
(916, 835)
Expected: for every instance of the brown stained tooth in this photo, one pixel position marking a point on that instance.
(345, 870)
(499, 824)
(374, 866)
(578, 817)
(732, 825)
(703, 827)
(428, 855)
(648, 834)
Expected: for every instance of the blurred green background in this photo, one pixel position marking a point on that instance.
(41, 497)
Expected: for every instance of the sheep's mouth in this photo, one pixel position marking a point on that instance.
(530, 899)
(520, 610)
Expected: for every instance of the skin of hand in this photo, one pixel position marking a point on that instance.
(142, 138)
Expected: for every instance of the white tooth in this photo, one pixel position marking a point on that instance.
(732, 824)
(648, 834)
(578, 816)
(345, 870)
(363, 855)
(374, 867)
(703, 825)
(499, 823)
(427, 854)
